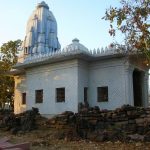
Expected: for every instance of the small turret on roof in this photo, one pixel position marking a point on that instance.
(76, 45)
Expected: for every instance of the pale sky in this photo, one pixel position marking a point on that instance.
(75, 19)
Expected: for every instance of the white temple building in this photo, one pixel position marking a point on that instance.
(56, 79)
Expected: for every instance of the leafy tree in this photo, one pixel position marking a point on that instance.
(132, 18)
(8, 53)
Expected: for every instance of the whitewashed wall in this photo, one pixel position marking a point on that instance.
(48, 78)
(107, 73)
(83, 76)
(74, 75)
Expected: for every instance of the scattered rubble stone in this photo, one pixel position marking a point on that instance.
(136, 137)
(127, 123)
(25, 121)
(123, 124)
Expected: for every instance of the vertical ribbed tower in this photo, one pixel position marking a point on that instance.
(41, 32)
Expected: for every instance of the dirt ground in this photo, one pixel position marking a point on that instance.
(47, 139)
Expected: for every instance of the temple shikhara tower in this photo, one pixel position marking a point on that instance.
(56, 79)
(41, 32)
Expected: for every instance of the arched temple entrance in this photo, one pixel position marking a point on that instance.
(138, 87)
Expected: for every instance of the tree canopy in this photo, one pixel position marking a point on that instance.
(8, 53)
(132, 18)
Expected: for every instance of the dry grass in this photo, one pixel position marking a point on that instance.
(47, 139)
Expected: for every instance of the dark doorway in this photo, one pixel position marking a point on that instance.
(137, 87)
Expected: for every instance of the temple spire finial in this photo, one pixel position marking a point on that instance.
(42, 4)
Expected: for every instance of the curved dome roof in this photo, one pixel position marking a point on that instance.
(41, 31)
(75, 45)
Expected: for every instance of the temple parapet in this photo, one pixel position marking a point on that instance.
(72, 49)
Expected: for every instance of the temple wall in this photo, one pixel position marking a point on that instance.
(108, 73)
(74, 75)
(83, 77)
(49, 77)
